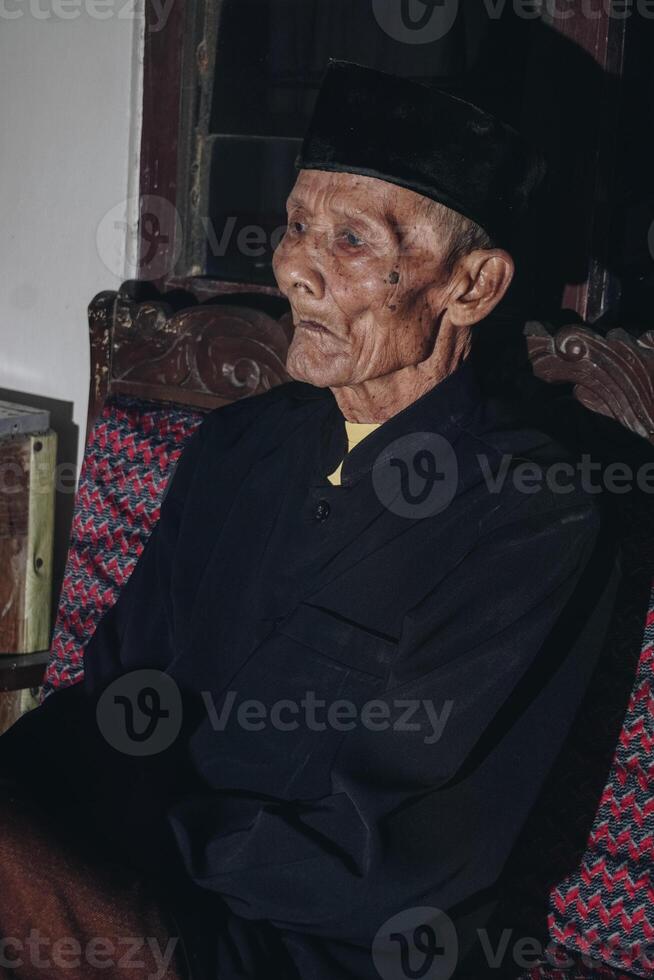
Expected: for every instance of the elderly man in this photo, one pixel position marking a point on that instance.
(369, 630)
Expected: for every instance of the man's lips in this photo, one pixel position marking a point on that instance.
(313, 325)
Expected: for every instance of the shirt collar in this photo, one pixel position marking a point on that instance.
(441, 410)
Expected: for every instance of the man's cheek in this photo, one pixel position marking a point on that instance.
(357, 288)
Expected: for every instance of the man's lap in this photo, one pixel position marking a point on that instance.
(65, 912)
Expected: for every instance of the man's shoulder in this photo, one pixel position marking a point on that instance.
(531, 476)
(239, 432)
(266, 408)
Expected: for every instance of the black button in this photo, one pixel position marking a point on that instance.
(321, 513)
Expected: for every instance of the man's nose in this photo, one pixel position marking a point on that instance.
(301, 269)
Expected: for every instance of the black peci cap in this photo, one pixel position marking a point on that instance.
(379, 125)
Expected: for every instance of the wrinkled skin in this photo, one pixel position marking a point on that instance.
(378, 318)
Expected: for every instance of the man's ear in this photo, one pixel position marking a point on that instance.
(479, 281)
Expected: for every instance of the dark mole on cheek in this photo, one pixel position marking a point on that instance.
(392, 307)
(394, 278)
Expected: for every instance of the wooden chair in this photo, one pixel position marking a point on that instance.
(175, 349)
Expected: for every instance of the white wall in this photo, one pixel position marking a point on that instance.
(70, 115)
(69, 144)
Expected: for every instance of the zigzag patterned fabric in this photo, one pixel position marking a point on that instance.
(562, 964)
(129, 457)
(602, 914)
(607, 907)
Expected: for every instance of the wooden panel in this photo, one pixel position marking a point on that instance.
(24, 671)
(40, 543)
(10, 709)
(203, 356)
(14, 704)
(206, 288)
(572, 104)
(27, 469)
(159, 136)
(14, 520)
(100, 312)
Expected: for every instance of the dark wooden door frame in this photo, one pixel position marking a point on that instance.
(601, 37)
(167, 111)
(168, 108)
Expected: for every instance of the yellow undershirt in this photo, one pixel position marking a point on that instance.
(356, 432)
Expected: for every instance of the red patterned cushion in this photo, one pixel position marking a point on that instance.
(561, 964)
(129, 458)
(601, 914)
(606, 908)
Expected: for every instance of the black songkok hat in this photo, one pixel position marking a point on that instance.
(372, 123)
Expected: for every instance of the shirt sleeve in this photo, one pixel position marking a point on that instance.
(492, 665)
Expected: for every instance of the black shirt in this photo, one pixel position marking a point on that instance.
(448, 614)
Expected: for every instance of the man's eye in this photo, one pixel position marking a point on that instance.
(352, 239)
(298, 227)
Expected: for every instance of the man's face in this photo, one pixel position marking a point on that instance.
(362, 265)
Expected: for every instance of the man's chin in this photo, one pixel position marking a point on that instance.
(313, 370)
(318, 379)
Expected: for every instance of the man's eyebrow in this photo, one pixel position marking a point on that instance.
(380, 219)
(354, 214)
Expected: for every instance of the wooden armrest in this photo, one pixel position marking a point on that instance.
(23, 671)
